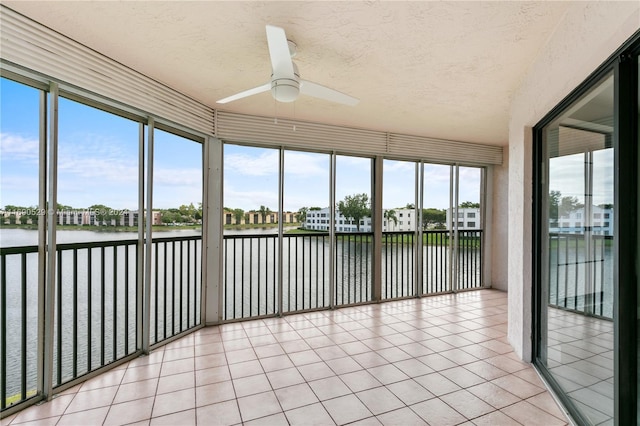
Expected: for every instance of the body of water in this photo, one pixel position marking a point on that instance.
(98, 291)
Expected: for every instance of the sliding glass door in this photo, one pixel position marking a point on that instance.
(586, 245)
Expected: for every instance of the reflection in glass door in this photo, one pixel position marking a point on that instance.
(577, 328)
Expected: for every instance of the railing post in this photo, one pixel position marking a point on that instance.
(486, 225)
(280, 228)
(332, 230)
(47, 374)
(140, 248)
(376, 223)
(146, 317)
(42, 240)
(419, 243)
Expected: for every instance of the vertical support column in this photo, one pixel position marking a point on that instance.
(486, 224)
(42, 236)
(455, 264)
(47, 373)
(332, 230)
(280, 225)
(140, 269)
(453, 219)
(376, 222)
(212, 282)
(148, 215)
(419, 234)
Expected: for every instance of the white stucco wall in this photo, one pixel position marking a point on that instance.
(500, 224)
(586, 36)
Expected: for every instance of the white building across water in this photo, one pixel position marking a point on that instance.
(394, 220)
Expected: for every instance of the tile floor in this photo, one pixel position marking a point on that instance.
(441, 360)
(580, 357)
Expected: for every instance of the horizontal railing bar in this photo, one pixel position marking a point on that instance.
(4, 251)
(93, 244)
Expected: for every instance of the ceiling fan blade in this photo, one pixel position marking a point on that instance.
(264, 88)
(319, 91)
(281, 63)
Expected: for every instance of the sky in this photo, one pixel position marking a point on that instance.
(98, 164)
(566, 174)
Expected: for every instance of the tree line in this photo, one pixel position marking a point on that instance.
(358, 206)
(185, 214)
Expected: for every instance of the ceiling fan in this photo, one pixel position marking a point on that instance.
(285, 84)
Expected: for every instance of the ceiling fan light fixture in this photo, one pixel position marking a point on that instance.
(286, 84)
(285, 89)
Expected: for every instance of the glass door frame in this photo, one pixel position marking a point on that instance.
(624, 66)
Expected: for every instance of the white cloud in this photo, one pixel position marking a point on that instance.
(261, 165)
(250, 199)
(16, 147)
(306, 165)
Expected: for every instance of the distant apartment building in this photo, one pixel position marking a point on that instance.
(402, 220)
(468, 219)
(254, 217)
(398, 221)
(575, 222)
(90, 217)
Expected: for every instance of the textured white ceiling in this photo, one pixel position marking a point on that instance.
(439, 69)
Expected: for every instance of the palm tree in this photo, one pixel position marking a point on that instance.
(390, 215)
(264, 211)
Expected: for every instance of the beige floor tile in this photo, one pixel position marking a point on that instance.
(173, 402)
(344, 365)
(129, 412)
(328, 388)
(485, 370)
(260, 405)
(295, 396)
(278, 419)
(284, 378)
(176, 382)
(199, 363)
(494, 395)
(437, 384)
(311, 415)
(387, 374)
(136, 374)
(251, 385)
(410, 392)
(517, 386)
(222, 413)
(182, 418)
(360, 380)
(278, 362)
(136, 390)
(546, 402)
(346, 409)
(180, 366)
(467, 404)
(315, 371)
(92, 399)
(404, 416)
(212, 375)
(529, 414)
(55, 407)
(495, 418)
(379, 400)
(95, 416)
(436, 412)
(213, 393)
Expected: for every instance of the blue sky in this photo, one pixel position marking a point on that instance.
(98, 164)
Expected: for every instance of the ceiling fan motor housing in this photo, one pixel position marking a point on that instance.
(285, 89)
